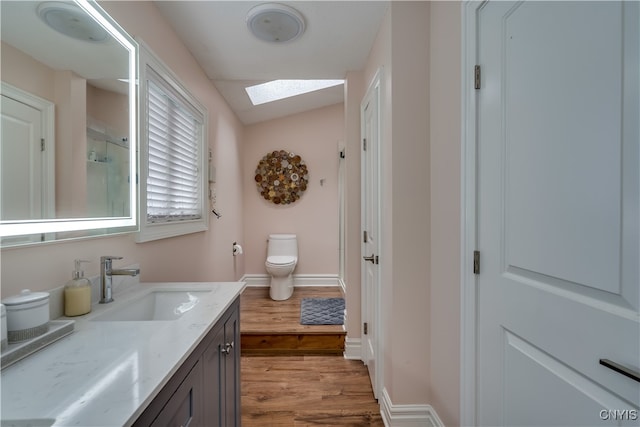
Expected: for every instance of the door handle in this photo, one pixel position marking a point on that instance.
(627, 372)
(373, 258)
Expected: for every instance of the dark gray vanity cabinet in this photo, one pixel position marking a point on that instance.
(184, 408)
(222, 375)
(205, 391)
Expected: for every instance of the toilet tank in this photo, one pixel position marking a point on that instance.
(282, 245)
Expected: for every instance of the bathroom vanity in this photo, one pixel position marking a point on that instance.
(161, 354)
(206, 388)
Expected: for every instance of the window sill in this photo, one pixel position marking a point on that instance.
(151, 232)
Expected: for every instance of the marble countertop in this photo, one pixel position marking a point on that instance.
(106, 372)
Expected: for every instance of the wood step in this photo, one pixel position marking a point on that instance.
(270, 327)
(292, 344)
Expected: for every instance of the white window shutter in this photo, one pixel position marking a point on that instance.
(173, 181)
(173, 153)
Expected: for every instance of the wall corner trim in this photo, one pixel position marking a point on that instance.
(343, 285)
(407, 415)
(353, 348)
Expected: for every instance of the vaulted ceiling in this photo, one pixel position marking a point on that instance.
(338, 38)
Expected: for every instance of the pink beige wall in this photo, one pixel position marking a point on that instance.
(445, 143)
(202, 256)
(315, 136)
(408, 207)
(401, 52)
(418, 50)
(71, 144)
(26, 73)
(108, 108)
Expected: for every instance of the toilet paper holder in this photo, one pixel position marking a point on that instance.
(237, 249)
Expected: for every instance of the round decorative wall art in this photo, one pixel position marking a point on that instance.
(281, 177)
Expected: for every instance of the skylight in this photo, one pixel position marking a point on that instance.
(281, 89)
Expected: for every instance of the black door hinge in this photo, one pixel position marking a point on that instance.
(476, 262)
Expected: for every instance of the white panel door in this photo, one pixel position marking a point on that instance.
(21, 156)
(370, 206)
(558, 213)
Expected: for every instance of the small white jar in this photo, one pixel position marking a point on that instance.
(27, 315)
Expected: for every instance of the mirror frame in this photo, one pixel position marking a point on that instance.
(42, 226)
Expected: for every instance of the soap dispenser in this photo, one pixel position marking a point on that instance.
(77, 293)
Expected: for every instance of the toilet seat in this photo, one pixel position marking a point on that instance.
(281, 260)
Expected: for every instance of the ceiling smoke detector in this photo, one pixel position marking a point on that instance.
(275, 23)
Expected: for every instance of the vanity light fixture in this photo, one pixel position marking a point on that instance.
(275, 23)
(72, 21)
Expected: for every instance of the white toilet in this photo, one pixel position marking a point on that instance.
(282, 257)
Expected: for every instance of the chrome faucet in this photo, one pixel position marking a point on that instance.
(106, 273)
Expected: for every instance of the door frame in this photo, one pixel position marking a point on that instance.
(375, 83)
(468, 217)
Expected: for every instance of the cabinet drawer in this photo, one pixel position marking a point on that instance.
(184, 407)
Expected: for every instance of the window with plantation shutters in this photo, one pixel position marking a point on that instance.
(173, 181)
(174, 155)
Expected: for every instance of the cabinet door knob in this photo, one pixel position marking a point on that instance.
(227, 348)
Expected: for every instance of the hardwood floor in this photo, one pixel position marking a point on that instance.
(305, 391)
(259, 313)
(273, 327)
(285, 383)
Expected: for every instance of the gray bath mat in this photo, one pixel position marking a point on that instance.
(322, 311)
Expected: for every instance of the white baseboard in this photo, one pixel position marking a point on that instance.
(407, 415)
(255, 279)
(353, 348)
(298, 280)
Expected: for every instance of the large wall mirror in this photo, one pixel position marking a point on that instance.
(69, 132)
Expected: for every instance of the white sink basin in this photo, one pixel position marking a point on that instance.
(156, 305)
